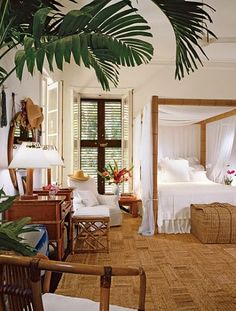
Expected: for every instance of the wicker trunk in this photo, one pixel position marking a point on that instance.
(214, 223)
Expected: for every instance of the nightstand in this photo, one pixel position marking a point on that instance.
(132, 202)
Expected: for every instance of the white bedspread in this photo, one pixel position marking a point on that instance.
(174, 200)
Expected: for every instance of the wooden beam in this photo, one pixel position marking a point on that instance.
(155, 156)
(219, 117)
(197, 102)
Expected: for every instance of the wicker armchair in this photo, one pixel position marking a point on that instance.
(21, 285)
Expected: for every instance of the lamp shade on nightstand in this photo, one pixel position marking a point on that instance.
(29, 156)
(54, 159)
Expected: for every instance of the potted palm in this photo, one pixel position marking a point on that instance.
(10, 239)
(102, 35)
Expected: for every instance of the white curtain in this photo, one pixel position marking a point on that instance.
(186, 115)
(219, 140)
(137, 155)
(147, 227)
(178, 141)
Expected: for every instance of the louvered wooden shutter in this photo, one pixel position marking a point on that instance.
(89, 133)
(98, 122)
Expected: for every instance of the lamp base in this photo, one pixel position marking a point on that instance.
(29, 197)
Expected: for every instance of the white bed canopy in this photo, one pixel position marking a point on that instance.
(174, 115)
(170, 115)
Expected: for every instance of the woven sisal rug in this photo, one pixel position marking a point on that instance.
(182, 273)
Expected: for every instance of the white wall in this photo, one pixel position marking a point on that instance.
(29, 87)
(232, 160)
(215, 80)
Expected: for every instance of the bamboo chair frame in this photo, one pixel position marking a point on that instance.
(21, 281)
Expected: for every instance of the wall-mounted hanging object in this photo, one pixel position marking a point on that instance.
(4, 109)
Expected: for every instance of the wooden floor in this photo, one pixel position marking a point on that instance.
(182, 273)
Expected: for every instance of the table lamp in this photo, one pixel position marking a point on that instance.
(29, 156)
(54, 158)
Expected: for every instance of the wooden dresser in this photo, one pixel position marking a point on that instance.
(52, 212)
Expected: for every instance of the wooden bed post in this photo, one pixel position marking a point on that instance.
(155, 157)
(203, 145)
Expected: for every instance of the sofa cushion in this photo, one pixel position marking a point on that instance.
(52, 302)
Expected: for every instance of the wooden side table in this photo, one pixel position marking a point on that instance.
(68, 193)
(132, 202)
(50, 212)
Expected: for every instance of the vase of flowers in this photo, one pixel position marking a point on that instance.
(52, 190)
(116, 189)
(115, 176)
(228, 179)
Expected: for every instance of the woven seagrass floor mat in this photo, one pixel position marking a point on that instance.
(182, 273)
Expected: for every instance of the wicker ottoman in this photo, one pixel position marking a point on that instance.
(214, 223)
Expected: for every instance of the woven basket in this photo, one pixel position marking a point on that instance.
(214, 223)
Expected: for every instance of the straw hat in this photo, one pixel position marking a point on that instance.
(79, 175)
(34, 113)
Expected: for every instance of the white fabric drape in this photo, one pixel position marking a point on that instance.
(137, 155)
(185, 115)
(178, 141)
(219, 140)
(147, 227)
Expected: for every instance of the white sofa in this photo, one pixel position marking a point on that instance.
(85, 195)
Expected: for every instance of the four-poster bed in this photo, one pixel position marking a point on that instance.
(206, 191)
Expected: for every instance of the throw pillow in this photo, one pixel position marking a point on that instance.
(175, 170)
(198, 176)
(88, 197)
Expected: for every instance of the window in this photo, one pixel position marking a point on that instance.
(52, 125)
(101, 134)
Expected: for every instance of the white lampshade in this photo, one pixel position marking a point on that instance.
(53, 156)
(30, 155)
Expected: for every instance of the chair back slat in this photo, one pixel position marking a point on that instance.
(21, 288)
(16, 290)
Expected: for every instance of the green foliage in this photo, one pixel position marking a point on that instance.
(10, 231)
(98, 35)
(189, 22)
(102, 35)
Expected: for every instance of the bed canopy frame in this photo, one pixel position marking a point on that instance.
(156, 102)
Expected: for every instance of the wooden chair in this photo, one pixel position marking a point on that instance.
(21, 283)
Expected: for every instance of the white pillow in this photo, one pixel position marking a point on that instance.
(175, 170)
(88, 197)
(198, 176)
(197, 167)
(192, 160)
(161, 176)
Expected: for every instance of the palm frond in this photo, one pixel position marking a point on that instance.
(101, 37)
(6, 202)
(189, 20)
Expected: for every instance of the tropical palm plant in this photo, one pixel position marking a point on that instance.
(10, 239)
(189, 21)
(102, 35)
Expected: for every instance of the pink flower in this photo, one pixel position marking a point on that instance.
(51, 187)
